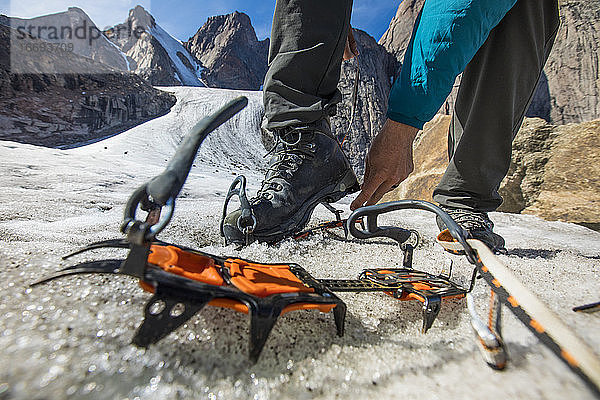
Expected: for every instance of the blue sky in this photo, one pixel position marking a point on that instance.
(183, 18)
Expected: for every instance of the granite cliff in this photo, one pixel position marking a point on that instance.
(232, 55)
(573, 68)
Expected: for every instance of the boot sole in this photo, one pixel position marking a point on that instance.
(493, 241)
(346, 185)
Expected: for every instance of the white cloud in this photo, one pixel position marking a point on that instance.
(103, 12)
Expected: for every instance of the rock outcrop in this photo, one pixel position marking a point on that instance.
(152, 53)
(66, 109)
(377, 69)
(230, 52)
(573, 67)
(531, 149)
(541, 104)
(554, 172)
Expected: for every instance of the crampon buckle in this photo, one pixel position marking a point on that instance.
(246, 222)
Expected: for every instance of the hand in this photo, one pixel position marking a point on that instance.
(389, 162)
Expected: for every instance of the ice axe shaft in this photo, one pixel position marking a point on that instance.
(161, 191)
(169, 183)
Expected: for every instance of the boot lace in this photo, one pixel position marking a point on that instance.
(294, 148)
(470, 220)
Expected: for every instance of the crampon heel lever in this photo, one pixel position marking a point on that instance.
(371, 213)
(246, 223)
(367, 217)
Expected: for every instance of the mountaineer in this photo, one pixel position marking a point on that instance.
(500, 46)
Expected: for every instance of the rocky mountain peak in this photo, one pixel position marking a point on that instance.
(75, 15)
(229, 50)
(153, 53)
(76, 10)
(139, 17)
(73, 28)
(238, 23)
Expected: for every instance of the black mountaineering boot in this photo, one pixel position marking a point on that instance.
(478, 224)
(308, 167)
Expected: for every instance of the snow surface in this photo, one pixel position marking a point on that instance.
(120, 52)
(172, 47)
(71, 338)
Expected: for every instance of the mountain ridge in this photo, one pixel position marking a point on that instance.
(154, 54)
(228, 48)
(64, 109)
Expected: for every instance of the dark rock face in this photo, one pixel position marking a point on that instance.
(540, 106)
(230, 52)
(152, 53)
(377, 71)
(573, 66)
(67, 109)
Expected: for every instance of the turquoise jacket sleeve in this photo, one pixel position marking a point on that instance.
(446, 36)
